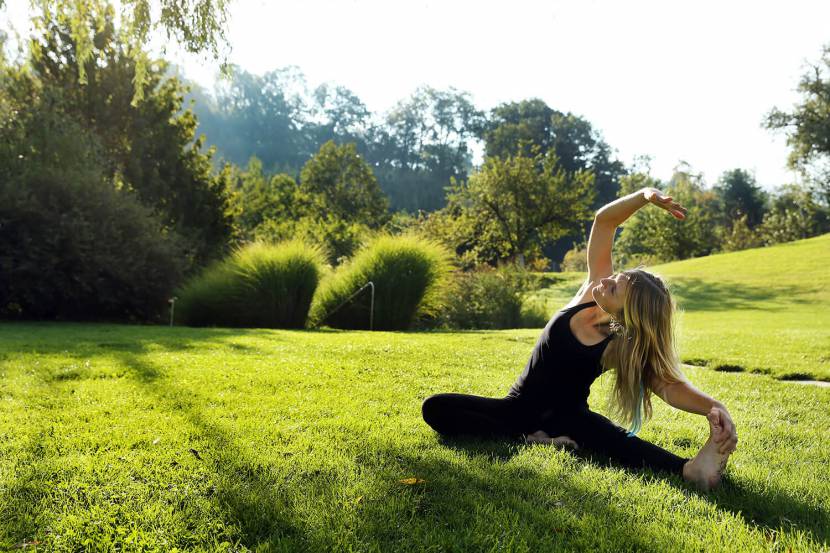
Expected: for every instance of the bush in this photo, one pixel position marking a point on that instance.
(485, 298)
(576, 259)
(409, 275)
(260, 285)
(71, 245)
(534, 314)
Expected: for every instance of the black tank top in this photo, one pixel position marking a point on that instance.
(561, 369)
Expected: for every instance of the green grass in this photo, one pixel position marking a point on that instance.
(765, 310)
(152, 438)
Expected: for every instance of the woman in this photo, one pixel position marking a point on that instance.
(620, 321)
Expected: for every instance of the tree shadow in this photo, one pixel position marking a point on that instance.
(695, 294)
(769, 510)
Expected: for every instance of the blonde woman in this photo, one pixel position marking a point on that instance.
(616, 321)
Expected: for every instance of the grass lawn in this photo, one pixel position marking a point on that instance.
(765, 310)
(152, 438)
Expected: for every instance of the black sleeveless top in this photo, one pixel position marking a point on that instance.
(561, 369)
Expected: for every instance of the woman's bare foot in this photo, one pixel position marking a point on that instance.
(705, 469)
(542, 437)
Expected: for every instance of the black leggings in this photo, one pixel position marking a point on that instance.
(454, 414)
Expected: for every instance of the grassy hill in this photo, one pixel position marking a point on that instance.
(765, 310)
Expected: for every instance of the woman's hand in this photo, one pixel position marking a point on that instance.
(725, 434)
(654, 196)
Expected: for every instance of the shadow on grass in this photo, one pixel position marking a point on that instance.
(694, 294)
(769, 510)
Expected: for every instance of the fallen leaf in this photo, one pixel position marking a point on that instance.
(195, 453)
(156, 441)
(411, 481)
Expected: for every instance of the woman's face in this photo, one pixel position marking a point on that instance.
(610, 293)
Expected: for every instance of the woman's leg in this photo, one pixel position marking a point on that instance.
(595, 433)
(453, 414)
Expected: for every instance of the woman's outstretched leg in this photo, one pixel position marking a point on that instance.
(595, 433)
(454, 414)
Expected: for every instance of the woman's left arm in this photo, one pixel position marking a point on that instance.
(683, 395)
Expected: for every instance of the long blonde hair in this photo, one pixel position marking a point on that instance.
(644, 346)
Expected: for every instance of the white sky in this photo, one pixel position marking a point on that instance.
(674, 81)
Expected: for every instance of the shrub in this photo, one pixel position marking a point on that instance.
(576, 259)
(485, 298)
(534, 314)
(260, 285)
(71, 245)
(409, 274)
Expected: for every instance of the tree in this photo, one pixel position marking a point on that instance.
(263, 116)
(342, 183)
(808, 127)
(519, 127)
(514, 205)
(197, 25)
(149, 148)
(72, 245)
(340, 116)
(793, 215)
(259, 197)
(740, 196)
(422, 142)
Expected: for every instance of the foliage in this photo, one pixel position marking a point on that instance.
(262, 116)
(338, 181)
(739, 236)
(490, 298)
(259, 199)
(576, 259)
(793, 215)
(413, 149)
(409, 275)
(335, 206)
(741, 197)
(197, 25)
(150, 147)
(514, 205)
(423, 142)
(523, 128)
(260, 285)
(71, 245)
(808, 126)
(338, 239)
(651, 232)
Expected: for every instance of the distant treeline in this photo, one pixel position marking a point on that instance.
(414, 149)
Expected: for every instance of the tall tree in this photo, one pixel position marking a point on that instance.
(149, 148)
(740, 195)
(808, 127)
(518, 127)
(423, 142)
(342, 183)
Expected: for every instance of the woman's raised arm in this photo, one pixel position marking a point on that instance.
(611, 216)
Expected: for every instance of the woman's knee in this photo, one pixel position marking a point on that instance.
(432, 409)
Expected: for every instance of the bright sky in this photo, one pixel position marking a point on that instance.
(676, 81)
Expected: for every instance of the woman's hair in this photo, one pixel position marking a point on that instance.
(644, 345)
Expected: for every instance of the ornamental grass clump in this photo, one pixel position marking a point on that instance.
(409, 275)
(260, 285)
